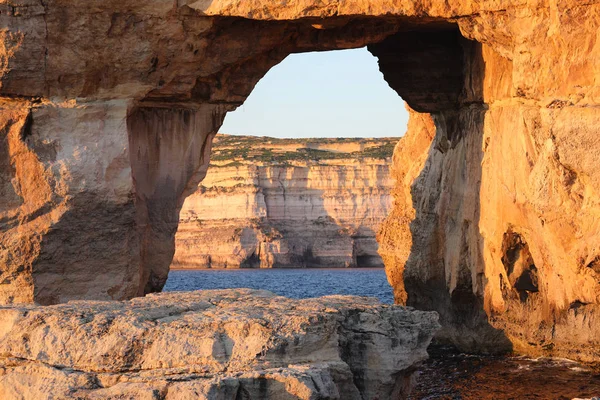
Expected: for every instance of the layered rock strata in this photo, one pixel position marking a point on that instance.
(212, 345)
(277, 203)
(108, 110)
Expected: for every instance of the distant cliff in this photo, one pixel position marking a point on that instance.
(277, 203)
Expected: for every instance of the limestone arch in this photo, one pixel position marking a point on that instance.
(74, 77)
(424, 64)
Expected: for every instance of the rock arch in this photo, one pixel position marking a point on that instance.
(425, 68)
(108, 109)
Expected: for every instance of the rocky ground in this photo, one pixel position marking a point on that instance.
(450, 375)
(225, 345)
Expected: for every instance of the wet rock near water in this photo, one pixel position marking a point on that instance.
(450, 375)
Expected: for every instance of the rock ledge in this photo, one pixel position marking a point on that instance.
(223, 344)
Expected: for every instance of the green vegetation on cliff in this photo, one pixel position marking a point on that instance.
(241, 149)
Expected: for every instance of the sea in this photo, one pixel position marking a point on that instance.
(293, 283)
(448, 374)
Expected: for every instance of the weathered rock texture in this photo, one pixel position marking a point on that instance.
(109, 107)
(496, 223)
(229, 345)
(276, 203)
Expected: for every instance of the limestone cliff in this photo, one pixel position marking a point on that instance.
(213, 345)
(496, 223)
(287, 203)
(108, 110)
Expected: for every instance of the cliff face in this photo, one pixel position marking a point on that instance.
(108, 110)
(289, 203)
(496, 223)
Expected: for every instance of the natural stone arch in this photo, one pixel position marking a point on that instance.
(130, 76)
(425, 67)
(80, 84)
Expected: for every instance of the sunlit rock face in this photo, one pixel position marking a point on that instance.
(108, 109)
(496, 223)
(280, 203)
(228, 344)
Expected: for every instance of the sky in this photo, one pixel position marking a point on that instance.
(328, 94)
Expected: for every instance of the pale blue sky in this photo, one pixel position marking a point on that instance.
(328, 94)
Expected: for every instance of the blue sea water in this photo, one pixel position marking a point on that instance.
(294, 283)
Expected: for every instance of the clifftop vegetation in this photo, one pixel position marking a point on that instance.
(230, 149)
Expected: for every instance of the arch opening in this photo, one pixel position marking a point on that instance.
(405, 61)
(425, 67)
(309, 189)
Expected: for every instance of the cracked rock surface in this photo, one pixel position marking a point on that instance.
(220, 344)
